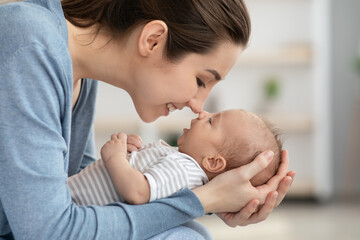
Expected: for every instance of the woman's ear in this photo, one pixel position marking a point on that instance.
(152, 38)
(214, 164)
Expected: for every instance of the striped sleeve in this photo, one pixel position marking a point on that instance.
(93, 186)
(174, 172)
(196, 175)
(165, 178)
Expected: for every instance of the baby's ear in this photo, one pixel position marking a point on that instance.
(215, 164)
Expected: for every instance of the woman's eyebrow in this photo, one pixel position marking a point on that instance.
(215, 73)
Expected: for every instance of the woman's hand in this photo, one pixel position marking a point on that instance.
(238, 205)
(251, 213)
(134, 142)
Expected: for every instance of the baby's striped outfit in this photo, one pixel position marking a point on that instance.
(166, 169)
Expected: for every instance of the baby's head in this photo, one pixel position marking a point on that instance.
(225, 140)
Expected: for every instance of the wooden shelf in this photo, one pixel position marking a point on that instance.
(294, 55)
(291, 122)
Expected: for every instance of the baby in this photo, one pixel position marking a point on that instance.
(213, 144)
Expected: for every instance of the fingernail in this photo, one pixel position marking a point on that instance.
(289, 182)
(269, 155)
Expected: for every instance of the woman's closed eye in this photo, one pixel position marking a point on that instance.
(200, 83)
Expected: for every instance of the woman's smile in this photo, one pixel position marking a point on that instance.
(170, 108)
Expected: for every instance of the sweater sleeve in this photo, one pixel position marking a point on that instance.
(33, 162)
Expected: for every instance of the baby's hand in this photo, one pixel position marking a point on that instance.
(115, 148)
(134, 142)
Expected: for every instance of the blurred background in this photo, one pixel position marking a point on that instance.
(301, 71)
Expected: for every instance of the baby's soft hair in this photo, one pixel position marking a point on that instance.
(245, 150)
(194, 26)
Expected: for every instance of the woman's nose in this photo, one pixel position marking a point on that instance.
(196, 104)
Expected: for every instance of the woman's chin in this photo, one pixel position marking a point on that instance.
(147, 118)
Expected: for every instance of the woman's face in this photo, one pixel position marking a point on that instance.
(162, 86)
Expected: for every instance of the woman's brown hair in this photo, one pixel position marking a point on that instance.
(194, 26)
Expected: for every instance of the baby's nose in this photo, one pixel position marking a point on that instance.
(202, 114)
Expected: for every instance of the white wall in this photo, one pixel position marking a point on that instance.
(345, 35)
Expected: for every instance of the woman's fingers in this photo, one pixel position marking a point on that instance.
(273, 200)
(284, 166)
(240, 218)
(248, 214)
(281, 173)
(270, 194)
(291, 174)
(284, 186)
(260, 163)
(264, 210)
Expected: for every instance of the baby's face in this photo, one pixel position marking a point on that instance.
(209, 130)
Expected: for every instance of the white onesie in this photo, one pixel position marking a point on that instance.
(166, 169)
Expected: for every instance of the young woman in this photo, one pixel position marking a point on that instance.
(167, 55)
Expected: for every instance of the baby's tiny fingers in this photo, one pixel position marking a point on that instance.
(122, 137)
(135, 140)
(113, 136)
(131, 148)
